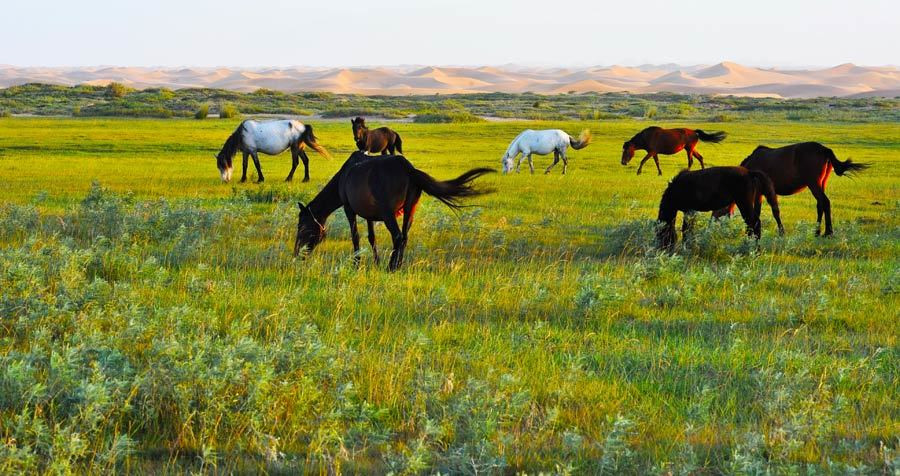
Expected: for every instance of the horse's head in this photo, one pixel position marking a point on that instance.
(224, 165)
(508, 163)
(628, 149)
(359, 131)
(309, 231)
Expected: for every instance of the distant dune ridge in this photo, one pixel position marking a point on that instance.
(723, 78)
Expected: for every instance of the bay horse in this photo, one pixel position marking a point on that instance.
(656, 140)
(793, 168)
(272, 138)
(542, 143)
(382, 140)
(711, 189)
(379, 189)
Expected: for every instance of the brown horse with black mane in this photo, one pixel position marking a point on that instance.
(378, 189)
(711, 189)
(656, 140)
(795, 167)
(383, 139)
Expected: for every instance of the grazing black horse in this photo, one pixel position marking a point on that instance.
(379, 189)
(795, 167)
(383, 140)
(711, 189)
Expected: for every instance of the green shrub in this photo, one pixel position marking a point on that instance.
(228, 111)
(117, 90)
(650, 112)
(202, 112)
(455, 117)
(5, 113)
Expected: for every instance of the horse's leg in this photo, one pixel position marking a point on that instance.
(555, 160)
(565, 161)
(409, 209)
(656, 159)
(519, 163)
(295, 151)
(745, 206)
(354, 233)
(641, 166)
(305, 159)
(687, 224)
(699, 158)
(371, 225)
(530, 162)
(823, 207)
(390, 222)
(690, 157)
(244, 171)
(259, 173)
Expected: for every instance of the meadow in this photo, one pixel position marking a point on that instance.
(153, 318)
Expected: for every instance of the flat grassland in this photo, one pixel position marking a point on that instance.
(157, 321)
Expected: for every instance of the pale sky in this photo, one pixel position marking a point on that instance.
(260, 33)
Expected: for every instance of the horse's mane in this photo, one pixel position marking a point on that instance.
(516, 141)
(232, 144)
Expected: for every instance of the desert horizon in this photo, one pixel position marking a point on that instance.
(723, 78)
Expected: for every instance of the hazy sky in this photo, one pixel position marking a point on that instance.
(438, 32)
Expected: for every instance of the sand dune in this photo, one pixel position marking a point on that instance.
(723, 78)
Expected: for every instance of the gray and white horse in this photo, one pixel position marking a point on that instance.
(272, 138)
(542, 143)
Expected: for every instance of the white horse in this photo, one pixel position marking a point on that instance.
(542, 143)
(272, 138)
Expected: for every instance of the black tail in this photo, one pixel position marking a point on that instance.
(451, 191)
(398, 143)
(714, 137)
(309, 138)
(847, 167)
(767, 189)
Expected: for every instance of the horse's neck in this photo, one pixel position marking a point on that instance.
(667, 209)
(327, 201)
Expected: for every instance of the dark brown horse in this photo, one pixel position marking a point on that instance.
(656, 140)
(711, 189)
(383, 139)
(378, 190)
(795, 167)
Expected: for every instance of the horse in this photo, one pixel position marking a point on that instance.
(711, 189)
(272, 138)
(379, 190)
(656, 140)
(383, 139)
(542, 143)
(793, 168)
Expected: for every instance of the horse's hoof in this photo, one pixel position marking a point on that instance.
(306, 179)
(659, 174)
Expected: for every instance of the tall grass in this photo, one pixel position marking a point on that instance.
(169, 329)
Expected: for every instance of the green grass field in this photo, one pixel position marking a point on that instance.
(159, 322)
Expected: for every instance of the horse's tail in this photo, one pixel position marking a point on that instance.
(714, 137)
(398, 143)
(767, 189)
(309, 138)
(583, 140)
(450, 191)
(847, 167)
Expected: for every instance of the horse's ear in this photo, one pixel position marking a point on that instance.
(301, 206)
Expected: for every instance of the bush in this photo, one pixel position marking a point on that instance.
(117, 90)
(456, 117)
(202, 112)
(228, 111)
(5, 113)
